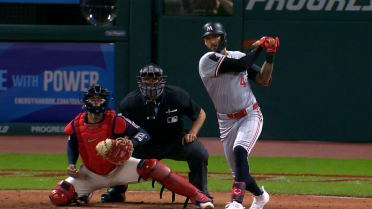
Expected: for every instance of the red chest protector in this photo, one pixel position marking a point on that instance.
(89, 135)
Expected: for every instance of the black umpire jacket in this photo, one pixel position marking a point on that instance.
(168, 125)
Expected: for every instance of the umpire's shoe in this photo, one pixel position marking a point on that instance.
(115, 194)
(209, 196)
(201, 201)
(205, 205)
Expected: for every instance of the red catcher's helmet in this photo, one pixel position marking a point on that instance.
(62, 194)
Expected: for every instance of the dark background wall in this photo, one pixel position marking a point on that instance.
(321, 86)
(321, 82)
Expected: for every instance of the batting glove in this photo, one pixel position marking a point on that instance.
(269, 43)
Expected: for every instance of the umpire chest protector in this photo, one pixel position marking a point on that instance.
(89, 135)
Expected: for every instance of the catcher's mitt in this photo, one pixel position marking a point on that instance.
(116, 151)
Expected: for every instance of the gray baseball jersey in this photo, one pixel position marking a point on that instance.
(230, 92)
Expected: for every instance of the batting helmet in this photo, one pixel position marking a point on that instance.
(151, 81)
(216, 28)
(93, 90)
(63, 194)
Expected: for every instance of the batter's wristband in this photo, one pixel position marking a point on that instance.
(270, 57)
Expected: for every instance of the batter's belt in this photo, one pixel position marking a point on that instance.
(237, 115)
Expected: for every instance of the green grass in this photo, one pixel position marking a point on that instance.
(33, 161)
(265, 169)
(312, 165)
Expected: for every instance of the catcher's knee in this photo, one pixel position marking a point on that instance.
(154, 169)
(63, 194)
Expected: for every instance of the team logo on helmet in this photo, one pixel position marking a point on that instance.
(216, 28)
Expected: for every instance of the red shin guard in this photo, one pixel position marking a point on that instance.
(154, 169)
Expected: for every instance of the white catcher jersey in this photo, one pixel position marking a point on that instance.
(230, 92)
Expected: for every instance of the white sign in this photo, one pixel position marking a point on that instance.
(311, 5)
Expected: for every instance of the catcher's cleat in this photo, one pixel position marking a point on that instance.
(116, 197)
(260, 201)
(83, 200)
(115, 194)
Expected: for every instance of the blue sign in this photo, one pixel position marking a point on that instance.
(42, 82)
(42, 1)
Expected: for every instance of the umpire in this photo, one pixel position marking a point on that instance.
(158, 108)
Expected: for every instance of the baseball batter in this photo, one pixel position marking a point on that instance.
(225, 76)
(102, 169)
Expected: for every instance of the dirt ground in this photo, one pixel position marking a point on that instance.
(33, 199)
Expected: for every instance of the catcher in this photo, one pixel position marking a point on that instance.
(107, 162)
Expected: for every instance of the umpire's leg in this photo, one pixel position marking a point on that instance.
(197, 158)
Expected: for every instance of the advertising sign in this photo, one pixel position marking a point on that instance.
(42, 82)
(308, 9)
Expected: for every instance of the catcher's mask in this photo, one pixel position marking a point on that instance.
(151, 81)
(216, 28)
(96, 99)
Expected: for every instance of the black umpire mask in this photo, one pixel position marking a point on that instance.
(151, 83)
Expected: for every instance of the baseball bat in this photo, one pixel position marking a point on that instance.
(250, 44)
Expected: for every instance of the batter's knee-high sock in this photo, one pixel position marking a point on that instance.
(238, 190)
(242, 171)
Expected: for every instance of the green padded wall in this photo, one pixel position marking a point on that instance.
(321, 86)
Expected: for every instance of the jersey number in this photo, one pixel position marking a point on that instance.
(242, 81)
